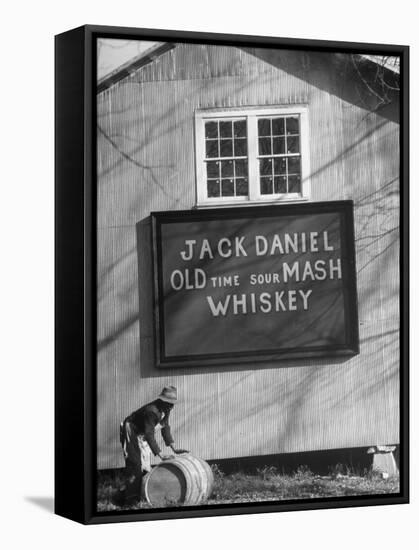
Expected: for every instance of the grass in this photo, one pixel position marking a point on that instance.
(267, 484)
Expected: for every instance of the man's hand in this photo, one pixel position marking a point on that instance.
(178, 451)
(166, 457)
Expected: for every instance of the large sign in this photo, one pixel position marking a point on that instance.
(255, 283)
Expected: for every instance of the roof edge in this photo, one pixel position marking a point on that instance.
(133, 65)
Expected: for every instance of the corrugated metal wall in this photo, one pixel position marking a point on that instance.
(146, 163)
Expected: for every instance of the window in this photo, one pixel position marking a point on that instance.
(253, 155)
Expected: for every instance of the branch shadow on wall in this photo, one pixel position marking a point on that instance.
(354, 81)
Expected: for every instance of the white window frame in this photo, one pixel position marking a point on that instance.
(251, 114)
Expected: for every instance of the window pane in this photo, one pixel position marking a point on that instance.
(265, 166)
(266, 186)
(242, 187)
(213, 187)
(279, 145)
(293, 165)
(211, 148)
(213, 170)
(265, 146)
(241, 168)
(227, 169)
(280, 184)
(226, 128)
(240, 147)
(280, 166)
(278, 127)
(293, 144)
(226, 148)
(211, 129)
(227, 188)
(264, 127)
(293, 126)
(240, 128)
(294, 184)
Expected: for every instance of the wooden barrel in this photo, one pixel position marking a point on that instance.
(185, 479)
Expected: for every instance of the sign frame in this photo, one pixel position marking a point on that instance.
(349, 348)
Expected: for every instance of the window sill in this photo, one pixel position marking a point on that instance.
(261, 202)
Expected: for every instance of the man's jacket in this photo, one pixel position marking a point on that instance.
(145, 420)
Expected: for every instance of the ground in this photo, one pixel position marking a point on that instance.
(267, 485)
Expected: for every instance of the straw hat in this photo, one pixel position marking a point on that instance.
(168, 394)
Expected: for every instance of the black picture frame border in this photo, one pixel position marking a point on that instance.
(75, 273)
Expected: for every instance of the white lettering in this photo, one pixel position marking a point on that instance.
(200, 273)
(239, 303)
(228, 252)
(276, 244)
(321, 272)
(179, 275)
(265, 299)
(308, 272)
(239, 246)
(261, 241)
(278, 301)
(292, 300)
(326, 241)
(336, 268)
(220, 307)
(206, 249)
(291, 242)
(303, 242)
(288, 273)
(313, 241)
(188, 254)
(305, 296)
